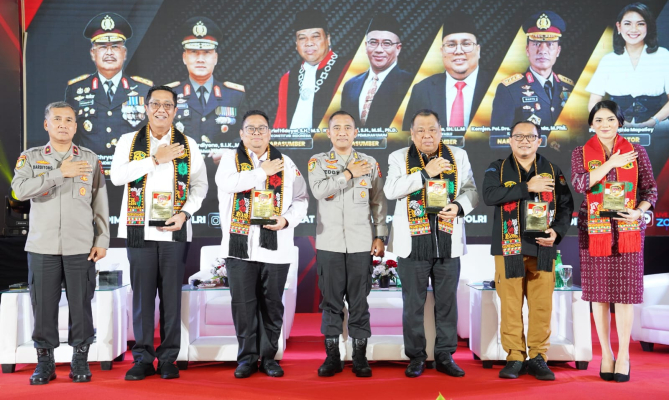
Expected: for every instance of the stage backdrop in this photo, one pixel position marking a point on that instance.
(259, 65)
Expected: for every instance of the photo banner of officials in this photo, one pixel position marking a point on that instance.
(480, 65)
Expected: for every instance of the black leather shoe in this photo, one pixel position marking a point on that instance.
(140, 371)
(79, 370)
(45, 371)
(538, 368)
(271, 368)
(361, 367)
(607, 376)
(622, 377)
(415, 368)
(246, 369)
(333, 363)
(168, 370)
(449, 367)
(513, 369)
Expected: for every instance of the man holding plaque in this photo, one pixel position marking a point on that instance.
(429, 236)
(351, 229)
(258, 256)
(532, 214)
(164, 181)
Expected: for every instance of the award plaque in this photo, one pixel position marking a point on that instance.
(614, 199)
(436, 195)
(536, 216)
(262, 207)
(162, 208)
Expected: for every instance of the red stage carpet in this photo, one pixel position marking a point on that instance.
(649, 379)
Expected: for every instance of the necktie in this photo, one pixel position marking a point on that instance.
(548, 87)
(202, 91)
(368, 100)
(458, 108)
(110, 91)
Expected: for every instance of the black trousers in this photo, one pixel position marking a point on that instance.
(157, 266)
(445, 274)
(256, 289)
(345, 275)
(45, 276)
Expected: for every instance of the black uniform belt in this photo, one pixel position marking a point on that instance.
(640, 108)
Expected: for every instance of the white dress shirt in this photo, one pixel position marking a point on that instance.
(541, 79)
(467, 95)
(115, 80)
(295, 202)
(616, 76)
(305, 108)
(160, 178)
(368, 84)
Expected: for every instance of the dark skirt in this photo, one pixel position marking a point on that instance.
(617, 278)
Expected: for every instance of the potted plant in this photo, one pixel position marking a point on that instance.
(384, 272)
(219, 272)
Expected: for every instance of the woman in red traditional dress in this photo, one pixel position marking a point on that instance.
(611, 248)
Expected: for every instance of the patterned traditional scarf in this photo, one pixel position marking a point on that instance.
(599, 228)
(510, 213)
(241, 206)
(419, 224)
(140, 149)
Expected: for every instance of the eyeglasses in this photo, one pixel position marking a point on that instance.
(250, 130)
(102, 48)
(520, 138)
(156, 106)
(466, 46)
(385, 44)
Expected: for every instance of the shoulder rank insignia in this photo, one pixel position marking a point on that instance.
(78, 79)
(234, 86)
(173, 84)
(512, 79)
(142, 80)
(566, 80)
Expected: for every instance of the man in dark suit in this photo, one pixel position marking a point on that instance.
(374, 96)
(206, 108)
(457, 93)
(108, 103)
(539, 94)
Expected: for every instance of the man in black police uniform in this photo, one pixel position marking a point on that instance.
(108, 103)
(540, 94)
(206, 108)
(374, 96)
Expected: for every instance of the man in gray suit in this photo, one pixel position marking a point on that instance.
(429, 245)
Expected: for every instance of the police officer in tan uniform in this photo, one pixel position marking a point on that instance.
(69, 232)
(351, 229)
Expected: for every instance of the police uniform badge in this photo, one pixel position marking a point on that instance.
(21, 162)
(312, 164)
(134, 110)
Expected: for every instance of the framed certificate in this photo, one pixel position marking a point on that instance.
(262, 207)
(614, 199)
(536, 216)
(436, 195)
(162, 208)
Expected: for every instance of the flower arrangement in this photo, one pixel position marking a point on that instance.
(384, 272)
(219, 272)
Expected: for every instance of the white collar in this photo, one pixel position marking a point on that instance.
(115, 79)
(381, 75)
(541, 79)
(470, 80)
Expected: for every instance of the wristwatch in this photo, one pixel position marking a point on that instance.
(657, 120)
(186, 214)
(382, 238)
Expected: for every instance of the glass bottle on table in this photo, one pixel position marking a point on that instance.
(559, 283)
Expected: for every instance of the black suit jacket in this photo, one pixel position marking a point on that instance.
(430, 93)
(386, 101)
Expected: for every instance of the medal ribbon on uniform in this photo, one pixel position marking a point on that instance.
(240, 220)
(419, 224)
(510, 217)
(599, 228)
(141, 149)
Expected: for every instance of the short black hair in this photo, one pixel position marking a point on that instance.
(162, 87)
(425, 112)
(251, 113)
(611, 106)
(536, 126)
(651, 28)
(341, 112)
